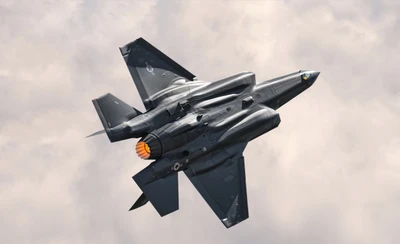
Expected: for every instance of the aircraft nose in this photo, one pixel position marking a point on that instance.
(309, 77)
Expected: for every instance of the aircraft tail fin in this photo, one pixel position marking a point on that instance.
(113, 112)
(142, 200)
(162, 193)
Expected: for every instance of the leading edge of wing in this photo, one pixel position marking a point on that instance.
(221, 181)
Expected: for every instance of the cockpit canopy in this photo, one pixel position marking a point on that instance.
(306, 75)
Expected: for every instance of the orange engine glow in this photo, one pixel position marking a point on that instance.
(143, 150)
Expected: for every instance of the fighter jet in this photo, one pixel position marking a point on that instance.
(194, 126)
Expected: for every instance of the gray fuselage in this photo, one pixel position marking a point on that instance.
(212, 116)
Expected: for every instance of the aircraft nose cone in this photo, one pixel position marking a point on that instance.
(310, 77)
(314, 77)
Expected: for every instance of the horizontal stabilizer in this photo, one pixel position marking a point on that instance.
(113, 112)
(162, 193)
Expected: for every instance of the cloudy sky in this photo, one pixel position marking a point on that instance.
(330, 173)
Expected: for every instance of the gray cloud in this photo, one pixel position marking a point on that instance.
(329, 174)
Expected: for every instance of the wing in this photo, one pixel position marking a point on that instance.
(151, 70)
(221, 181)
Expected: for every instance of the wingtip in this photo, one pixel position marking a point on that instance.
(228, 223)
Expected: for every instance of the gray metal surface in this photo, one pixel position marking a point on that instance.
(151, 70)
(198, 127)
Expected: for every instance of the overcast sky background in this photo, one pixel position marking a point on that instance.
(330, 173)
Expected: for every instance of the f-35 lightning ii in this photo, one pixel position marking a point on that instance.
(198, 127)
